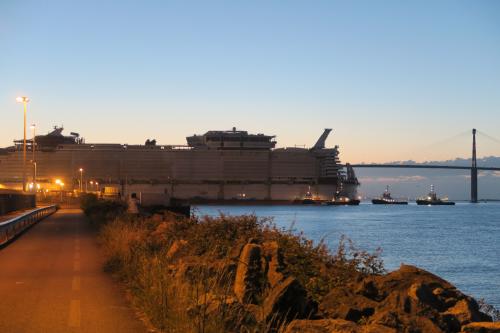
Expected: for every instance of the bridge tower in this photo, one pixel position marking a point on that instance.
(473, 170)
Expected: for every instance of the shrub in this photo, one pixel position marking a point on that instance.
(189, 291)
(100, 211)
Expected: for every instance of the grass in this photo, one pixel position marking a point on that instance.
(180, 271)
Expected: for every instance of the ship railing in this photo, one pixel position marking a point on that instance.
(12, 228)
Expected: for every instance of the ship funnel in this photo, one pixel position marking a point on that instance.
(320, 144)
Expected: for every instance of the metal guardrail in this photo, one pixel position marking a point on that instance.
(11, 228)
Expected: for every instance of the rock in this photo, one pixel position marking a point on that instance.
(343, 304)
(322, 326)
(482, 327)
(286, 301)
(414, 298)
(379, 287)
(273, 263)
(467, 310)
(248, 280)
(403, 322)
(423, 294)
(334, 326)
(367, 288)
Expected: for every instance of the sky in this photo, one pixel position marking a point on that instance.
(394, 79)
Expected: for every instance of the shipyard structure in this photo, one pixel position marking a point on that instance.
(215, 166)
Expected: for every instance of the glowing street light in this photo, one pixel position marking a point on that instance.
(61, 185)
(24, 100)
(81, 179)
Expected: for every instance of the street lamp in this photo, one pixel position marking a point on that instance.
(61, 185)
(24, 100)
(81, 179)
(33, 148)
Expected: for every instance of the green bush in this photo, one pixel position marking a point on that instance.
(101, 211)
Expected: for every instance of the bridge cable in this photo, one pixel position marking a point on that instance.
(488, 137)
(491, 138)
(448, 140)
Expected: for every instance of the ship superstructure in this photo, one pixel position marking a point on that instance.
(218, 165)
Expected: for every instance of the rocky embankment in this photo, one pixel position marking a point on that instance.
(242, 274)
(406, 300)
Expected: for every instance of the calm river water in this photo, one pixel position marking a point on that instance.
(459, 243)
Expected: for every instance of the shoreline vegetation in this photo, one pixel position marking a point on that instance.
(243, 274)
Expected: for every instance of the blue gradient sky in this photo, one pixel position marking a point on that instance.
(390, 77)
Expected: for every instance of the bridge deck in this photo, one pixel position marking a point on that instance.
(51, 280)
(420, 166)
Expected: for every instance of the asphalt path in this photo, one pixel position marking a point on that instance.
(51, 280)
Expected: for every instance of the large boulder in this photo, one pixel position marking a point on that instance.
(466, 311)
(249, 275)
(378, 287)
(344, 304)
(482, 327)
(286, 301)
(403, 322)
(413, 297)
(273, 263)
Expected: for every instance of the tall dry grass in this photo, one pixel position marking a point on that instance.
(191, 289)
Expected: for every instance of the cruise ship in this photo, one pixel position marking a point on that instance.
(215, 166)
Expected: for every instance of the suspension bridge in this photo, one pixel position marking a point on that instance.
(473, 167)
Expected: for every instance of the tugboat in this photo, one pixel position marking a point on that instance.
(308, 198)
(340, 199)
(386, 199)
(432, 199)
(343, 201)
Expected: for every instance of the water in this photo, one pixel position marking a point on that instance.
(459, 243)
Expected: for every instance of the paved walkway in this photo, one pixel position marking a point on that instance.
(51, 280)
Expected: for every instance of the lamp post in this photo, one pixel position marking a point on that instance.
(33, 148)
(61, 186)
(81, 179)
(24, 100)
